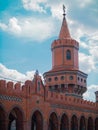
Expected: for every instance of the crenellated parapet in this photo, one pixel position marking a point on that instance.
(63, 100)
(15, 92)
(16, 89)
(65, 43)
(11, 88)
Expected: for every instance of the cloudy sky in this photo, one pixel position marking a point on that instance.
(28, 27)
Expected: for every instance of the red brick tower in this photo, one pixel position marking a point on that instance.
(65, 75)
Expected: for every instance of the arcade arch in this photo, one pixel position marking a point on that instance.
(90, 124)
(96, 123)
(15, 119)
(74, 123)
(53, 122)
(37, 121)
(64, 122)
(82, 123)
(2, 119)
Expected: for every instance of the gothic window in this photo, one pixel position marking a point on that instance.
(38, 87)
(68, 55)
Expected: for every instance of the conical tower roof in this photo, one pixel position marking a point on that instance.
(64, 32)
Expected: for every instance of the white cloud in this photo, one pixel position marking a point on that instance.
(54, 5)
(3, 26)
(30, 28)
(14, 26)
(87, 63)
(84, 3)
(10, 74)
(90, 94)
(88, 41)
(34, 5)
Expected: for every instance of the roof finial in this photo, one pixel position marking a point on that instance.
(64, 11)
(36, 72)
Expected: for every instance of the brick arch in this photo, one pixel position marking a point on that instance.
(90, 123)
(66, 113)
(3, 117)
(52, 111)
(75, 114)
(53, 121)
(82, 123)
(96, 123)
(74, 122)
(64, 123)
(37, 120)
(36, 109)
(16, 118)
(18, 107)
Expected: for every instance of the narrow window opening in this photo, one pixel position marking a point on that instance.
(68, 55)
(38, 86)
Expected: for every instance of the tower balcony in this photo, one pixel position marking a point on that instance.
(68, 82)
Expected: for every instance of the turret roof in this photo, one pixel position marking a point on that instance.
(64, 32)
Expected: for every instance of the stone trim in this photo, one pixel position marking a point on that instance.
(72, 108)
(53, 73)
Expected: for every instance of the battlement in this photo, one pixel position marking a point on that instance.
(29, 88)
(62, 99)
(13, 88)
(16, 89)
(65, 42)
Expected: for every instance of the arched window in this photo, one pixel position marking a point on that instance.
(68, 54)
(38, 86)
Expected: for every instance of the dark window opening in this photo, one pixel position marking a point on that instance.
(49, 79)
(68, 55)
(38, 86)
(56, 78)
(71, 77)
(84, 81)
(62, 77)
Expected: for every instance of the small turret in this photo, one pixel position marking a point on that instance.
(96, 94)
(36, 73)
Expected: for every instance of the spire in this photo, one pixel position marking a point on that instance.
(64, 32)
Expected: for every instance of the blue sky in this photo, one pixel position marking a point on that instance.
(28, 27)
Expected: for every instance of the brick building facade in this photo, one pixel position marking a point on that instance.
(56, 104)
